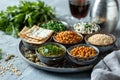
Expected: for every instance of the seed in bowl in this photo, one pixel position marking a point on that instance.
(100, 39)
(85, 28)
(68, 37)
(83, 52)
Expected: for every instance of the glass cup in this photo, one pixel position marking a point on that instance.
(79, 10)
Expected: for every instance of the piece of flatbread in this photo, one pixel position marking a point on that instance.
(22, 33)
(35, 35)
(24, 30)
(39, 33)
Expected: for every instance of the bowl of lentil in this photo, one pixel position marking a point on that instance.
(67, 38)
(104, 41)
(83, 54)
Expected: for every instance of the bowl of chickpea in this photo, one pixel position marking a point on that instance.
(83, 54)
(68, 38)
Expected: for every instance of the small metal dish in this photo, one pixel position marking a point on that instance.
(64, 67)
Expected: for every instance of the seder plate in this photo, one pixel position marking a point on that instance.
(64, 67)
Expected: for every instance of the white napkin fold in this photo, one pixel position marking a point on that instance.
(108, 68)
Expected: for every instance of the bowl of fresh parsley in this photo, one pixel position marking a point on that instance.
(55, 25)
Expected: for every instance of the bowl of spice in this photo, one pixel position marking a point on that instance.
(83, 54)
(104, 41)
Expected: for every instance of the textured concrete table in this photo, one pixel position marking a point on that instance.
(10, 45)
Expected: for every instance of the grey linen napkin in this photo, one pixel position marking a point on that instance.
(108, 68)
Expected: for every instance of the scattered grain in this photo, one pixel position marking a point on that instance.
(9, 57)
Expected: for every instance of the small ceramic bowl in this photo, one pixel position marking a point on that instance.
(51, 60)
(69, 44)
(32, 46)
(80, 60)
(29, 45)
(102, 48)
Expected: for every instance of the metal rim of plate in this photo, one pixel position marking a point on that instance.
(54, 69)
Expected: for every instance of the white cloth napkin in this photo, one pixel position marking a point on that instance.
(108, 68)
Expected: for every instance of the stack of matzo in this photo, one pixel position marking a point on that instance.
(35, 35)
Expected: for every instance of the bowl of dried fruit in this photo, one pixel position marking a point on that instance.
(83, 54)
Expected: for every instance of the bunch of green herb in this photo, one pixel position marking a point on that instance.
(57, 26)
(27, 13)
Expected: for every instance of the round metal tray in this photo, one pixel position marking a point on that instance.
(67, 68)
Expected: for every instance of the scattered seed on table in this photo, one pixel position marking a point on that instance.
(9, 57)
